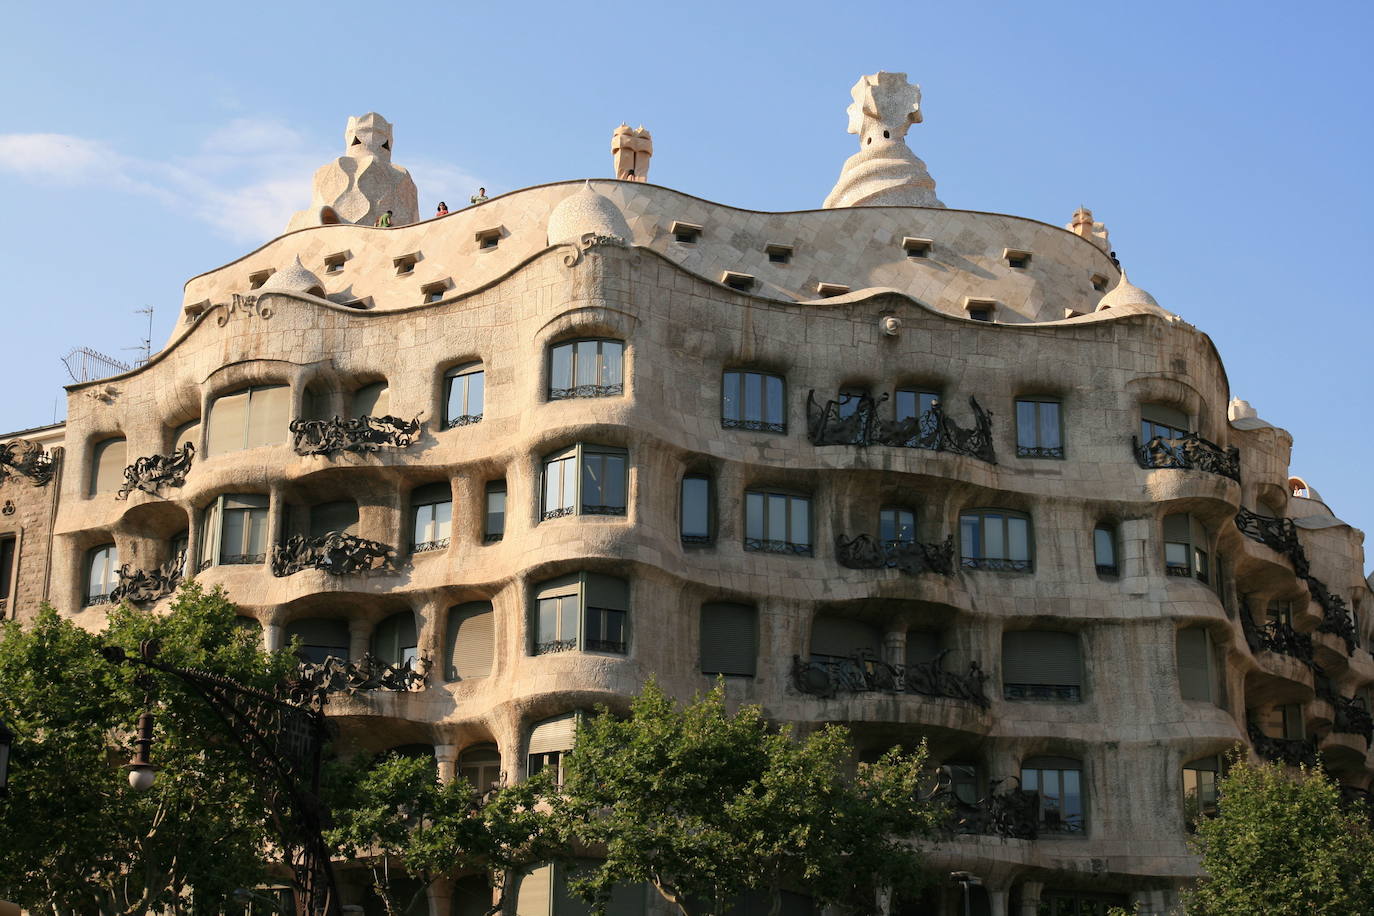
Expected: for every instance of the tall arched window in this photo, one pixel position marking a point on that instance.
(102, 565)
(431, 514)
(480, 767)
(108, 461)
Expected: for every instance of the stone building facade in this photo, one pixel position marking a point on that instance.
(930, 473)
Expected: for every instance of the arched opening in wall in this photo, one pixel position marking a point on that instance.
(108, 461)
(394, 641)
(1299, 488)
(371, 400)
(842, 652)
(320, 638)
(329, 217)
(102, 565)
(470, 641)
(339, 516)
(480, 767)
(1106, 549)
(472, 896)
(549, 742)
(586, 368)
(186, 433)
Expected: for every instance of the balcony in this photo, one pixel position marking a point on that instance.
(355, 434)
(142, 587)
(829, 675)
(1351, 717)
(1278, 534)
(911, 557)
(336, 553)
(854, 420)
(23, 458)
(1336, 617)
(153, 472)
(1007, 811)
(1276, 636)
(1290, 751)
(1190, 452)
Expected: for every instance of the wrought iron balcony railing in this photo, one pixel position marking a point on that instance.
(354, 434)
(829, 675)
(606, 645)
(757, 426)
(1280, 534)
(767, 545)
(93, 600)
(1292, 751)
(27, 459)
(1336, 617)
(1275, 636)
(1351, 718)
(464, 419)
(1068, 693)
(153, 472)
(911, 557)
(997, 564)
(854, 420)
(1006, 811)
(143, 587)
(427, 546)
(550, 646)
(586, 391)
(1189, 452)
(337, 553)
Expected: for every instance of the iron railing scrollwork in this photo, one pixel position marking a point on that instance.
(853, 420)
(1351, 716)
(606, 645)
(466, 419)
(1292, 751)
(23, 458)
(426, 546)
(153, 472)
(828, 675)
(560, 512)
(1189, 452)
(142, 587)
(767, 545)
(1336, 617)
(550, 646)
(757, 426)
(352, 434)
(697, 540)
(996, 564)
(1275, 636)
(96, 599)
(602, 510)
(314, 681)
(911, 557)
(1039, 451)
(586, 391)
(1069, 693)
(1007, 811)
(337, 553)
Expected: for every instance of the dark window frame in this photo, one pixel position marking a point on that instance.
(784, 545)
(597, 389)
(708, 537)
(1003, 563)
(1037, 448)
(579, 454)
(734, 383)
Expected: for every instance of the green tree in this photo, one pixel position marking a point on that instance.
(89, 842)
(705, 805)
(1282, 844)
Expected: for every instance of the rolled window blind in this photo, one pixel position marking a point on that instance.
(729, 640)
(269, 411)
(471, 640)
(1193, 676)
(111, 457)
(228, 419)
(341, 516)
(535, 895)
(1041, 657)
(838, 636)
(921, 646)
(553, 734)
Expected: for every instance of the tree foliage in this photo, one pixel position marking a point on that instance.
(1282, 845)
(89, 842)
(705, 805)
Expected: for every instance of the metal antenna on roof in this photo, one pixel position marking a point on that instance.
(147, 345)
(86, 365)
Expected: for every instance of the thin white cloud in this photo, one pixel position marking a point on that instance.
(245, 179)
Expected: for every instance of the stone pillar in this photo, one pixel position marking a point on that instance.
(440, 893)
(894, 647)
(430, 623)
(446, 762)
(1030, 897)
(276, 519)
(1136, 554)
(997, 901)
(273, 637)
(359, 638)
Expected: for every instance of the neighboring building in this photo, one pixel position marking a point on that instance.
(927, 472)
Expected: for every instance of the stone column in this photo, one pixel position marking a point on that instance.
(359, 638)
(446, 762)
(273, 637)
(894, 647)
(997, 902)
(1136, 554)
(430, 622)
(1030, 897)
(440, 894)
(276, 518)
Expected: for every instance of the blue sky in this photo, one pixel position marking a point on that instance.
(1226, 145)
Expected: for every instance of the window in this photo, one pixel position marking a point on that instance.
(480, 767)
(248, 419)
(320, 638)
(1185, 543)
(896, 526)
(494, 527)
(372, 401)
(431, 512)
(1041, 665)
(1104, 550)
(550, 741)
(1059, 780)
(842, 639)
(779, 254)
(187, 432)
(980, 309)
(108, 461)
(1038, 431)
(590, 368)
(405, 264)
(735, 280)
(234, 531)
(258, 278)
(1099, 283)
(697, 510)
(470, 641)
(102, 573)
(1163, 422)
(178, 546)
(1200, 669)
(586, 480)
(1294, 724)
(334, 263)
(336, 517)
(916, 248)
(7, 568)
(729, 639)
(433, 292)
(686, 233)
(777, 522)
(488, 238)
(919, 408)
(1020, 260)
(1200, 788)
(584, 611)
(963, 782)
(1280, 613)
(753, 400)
(464, 395)
(393, 641)
(830, 290)
(995, 539)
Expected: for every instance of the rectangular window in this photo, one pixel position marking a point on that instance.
(586, 479)
(754, 401)
(1294, 725)
(464, 395)
(1041, 665)
(1060, 785)
(918, 411)
(1104, 551)
(1199, 670)
(234, 531)
(696, 510)
(1159, 421)
(585, 611)
(549, 741)
(586, 369)
(1038, 432)
(1200, 789)
(495, 527)
(7, 568)
(896, 526)
(101, 574)
(432, 511)
(777, 523)
(729, 639)
(248, 419)
(995, 539)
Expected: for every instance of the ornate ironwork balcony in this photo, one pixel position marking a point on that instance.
(466, 419)
(911, 557)
(1292, 751)
(142, 587)
(1107, 569)
(853, 420)
(1336, 617)
(427, 546)
(93, 600)
(315, 681)
(586, 391)
(336, 553)
(765, 545)
(560, 512)
(355, 434)
(602, 510)
(698, 540)
(1039, 451)
(23, 458)
(1280, 534)
(606, 645)
(1190, 452)
(828, 675)
(1007, 811)
(1068, 693)
(550, 646)
(1351, 718)
(757, 426)
(997, 564)
(153, 472)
